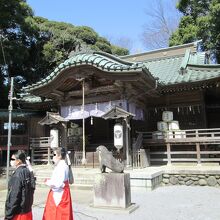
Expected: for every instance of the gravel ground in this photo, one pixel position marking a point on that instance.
(164, 203)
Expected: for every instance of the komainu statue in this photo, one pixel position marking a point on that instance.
(106, 159)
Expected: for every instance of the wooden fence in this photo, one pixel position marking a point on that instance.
(204, 145)
(140, 158)
(40, 150)
(91, 158)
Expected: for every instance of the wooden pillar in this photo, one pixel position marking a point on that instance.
(64, 135)
(198, 153)
(127, 136)
(28, 134)
(168, 154)
(48, 155)
(203, 109)
(32, 156)
(1, 163)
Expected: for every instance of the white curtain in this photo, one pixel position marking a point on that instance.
(72, 112)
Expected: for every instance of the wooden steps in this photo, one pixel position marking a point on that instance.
(40, 155)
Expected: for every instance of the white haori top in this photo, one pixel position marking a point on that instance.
(56, 183)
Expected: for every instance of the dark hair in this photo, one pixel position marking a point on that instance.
(20, 154)
(60, 152)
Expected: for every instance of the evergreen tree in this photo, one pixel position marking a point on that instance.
(200, 21)
(31, 47)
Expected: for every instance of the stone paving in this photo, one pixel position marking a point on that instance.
(163, 203)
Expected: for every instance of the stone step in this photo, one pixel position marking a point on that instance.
(77, 180)
(41, 151)
(84, 178)
(40, 154)
(72, 186)
(195, 164)
(80, 178)
(41, 160)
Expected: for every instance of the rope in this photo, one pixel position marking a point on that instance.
(74, 212)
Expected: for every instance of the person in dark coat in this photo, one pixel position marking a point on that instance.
(18, 205)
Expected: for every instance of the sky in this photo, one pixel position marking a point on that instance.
(112, 19)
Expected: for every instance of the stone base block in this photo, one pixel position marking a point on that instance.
(127, 210)
(112, 190)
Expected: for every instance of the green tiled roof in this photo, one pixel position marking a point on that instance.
(202, 72)
(100, 60)
(176, 70)
(165, 69)
(29, 98)
(170, 70)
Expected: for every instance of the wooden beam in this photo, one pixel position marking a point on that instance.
(101, 89)
(210, 159)
(93, 99)
(58, 93)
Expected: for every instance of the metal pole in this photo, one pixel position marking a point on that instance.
(83, 109)
(127, 142)
(10, 107)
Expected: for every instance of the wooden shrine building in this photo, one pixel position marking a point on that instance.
(177, 79)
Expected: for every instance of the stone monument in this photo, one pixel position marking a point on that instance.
(112, 190)
(106, 159)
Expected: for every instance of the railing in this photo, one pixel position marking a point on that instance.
(40, 150)
(76, 159)
(180, 136)
(189, 154)
(91, 158)
(40, 142)
(173, 140)
(41, 153)
(140, 158)
(136, 159)
(138, 143)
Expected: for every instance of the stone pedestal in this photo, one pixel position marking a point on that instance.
(112, 190)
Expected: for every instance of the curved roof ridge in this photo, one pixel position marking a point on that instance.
(163, 58)
(204, 65)
(114, 58)
(164, 49)
(99, 60)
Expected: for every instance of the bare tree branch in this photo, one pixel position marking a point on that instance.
(162, 21)
(122, 41)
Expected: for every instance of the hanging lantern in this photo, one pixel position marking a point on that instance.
(118, 136)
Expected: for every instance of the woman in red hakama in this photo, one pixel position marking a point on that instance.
(26, 216)
(59, 203)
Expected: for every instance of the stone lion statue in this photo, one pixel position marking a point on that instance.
(106, 159)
